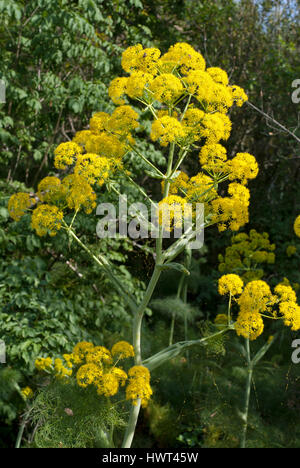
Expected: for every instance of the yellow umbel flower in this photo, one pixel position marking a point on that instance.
(69, 358)
(119, 374)
(245, 253)
(171, 211)
(106, 145)
(167, 130)
(136, 58)
(117, 89)
(256, 297)
(122, 350)
(297, 226)
(46, 219)
(98, 122)
(61, 372)
(216, 127)
(232, 212)
(139, 385)
(242, 167)
(66, 154)
(249, 324)
(99, 355)
(291, 314)
(79, 193)
(239, 95)
(184, 57)
(123, 120)
(44, 364)
(201, 189)
(221, 99)
(80, 350)
(200, 84)
(291, 250)
(81, 137)
(138, 83)
(218, 75)
(166, 88)
(213, 157)
(50, 190)
(193, 124)
(93, 168)
(178, 184)
(18, 204)
(230, 284)
(108, 385)
(88, 374)
(285, 293)
(27, 392)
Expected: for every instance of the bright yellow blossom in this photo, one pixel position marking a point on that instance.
(18, 204)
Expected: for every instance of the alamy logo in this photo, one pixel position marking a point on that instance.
(296, 353)
(181, 222)
(296, 93)
(2, 92)
(2, 352)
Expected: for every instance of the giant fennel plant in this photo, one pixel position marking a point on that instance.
(189, 103)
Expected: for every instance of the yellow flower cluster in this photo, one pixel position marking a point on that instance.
(256, 301)
(170, 211)
(167, 130)
(290, 312)
(122, 350)
(181, 74)
(291, 250)
(139, 385)
(201, 189)
(177, 184)
(27, 393)
(66, 154)
(92, 156)
(49, 189)
(230, 284)
(232, 212)
(60, 370)
(189, 103)
(213, 158)
(297, 226)
(18, 204)
(246, 253)
(242, 167)
(53, 366)
(43, 364)
(96, 366)
(166, 88)
(46, 219)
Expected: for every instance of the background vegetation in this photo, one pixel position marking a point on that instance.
(57, 58)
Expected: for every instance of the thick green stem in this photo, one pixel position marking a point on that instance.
(251, 363)
(229, 309)
(137, 323)
(179, 290)
(140, 313)
(187, 263)
(20, 434)
(247, 396)
(130, 430)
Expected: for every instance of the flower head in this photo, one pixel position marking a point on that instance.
(230, 284)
